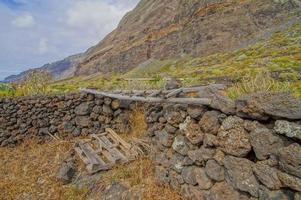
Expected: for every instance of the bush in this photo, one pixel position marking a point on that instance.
(262, 82)
(35, 83)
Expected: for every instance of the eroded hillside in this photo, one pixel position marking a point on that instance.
(169, 29)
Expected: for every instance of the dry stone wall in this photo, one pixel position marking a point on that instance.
(60, 115)
(207, 154)
(247, 149)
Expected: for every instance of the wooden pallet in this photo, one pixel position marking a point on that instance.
(103, 151)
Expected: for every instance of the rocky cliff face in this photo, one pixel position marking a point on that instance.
(59, 69)
(165, 29)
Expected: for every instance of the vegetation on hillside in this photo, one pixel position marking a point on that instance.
(279, 57)
(34, 83)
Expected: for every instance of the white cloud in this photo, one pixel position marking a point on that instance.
(24, 21)
(94, 16)
(43, 46)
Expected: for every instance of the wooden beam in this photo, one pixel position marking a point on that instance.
(192, 101)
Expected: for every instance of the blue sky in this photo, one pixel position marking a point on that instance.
(36, 32)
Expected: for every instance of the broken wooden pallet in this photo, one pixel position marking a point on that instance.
(104, 150)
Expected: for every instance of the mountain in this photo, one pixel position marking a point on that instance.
(158, 29)
(164, 29)
(59, 69)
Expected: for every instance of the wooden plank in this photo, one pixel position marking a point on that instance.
(110, 148)
(192, 101)
(174, 93)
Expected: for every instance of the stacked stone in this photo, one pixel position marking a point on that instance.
(62, 115)
(207, 154)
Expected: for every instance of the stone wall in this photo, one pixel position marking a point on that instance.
(64, 116)
(247, 149)
(206, 154)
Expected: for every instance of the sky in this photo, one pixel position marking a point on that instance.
(36, 32)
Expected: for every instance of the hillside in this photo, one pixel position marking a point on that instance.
(161, 30)
(59, 69)
(280, 54)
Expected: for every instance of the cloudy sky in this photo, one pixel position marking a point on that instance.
(36, 32)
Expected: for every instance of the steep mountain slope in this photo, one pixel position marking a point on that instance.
(59, 69)
(158, 29)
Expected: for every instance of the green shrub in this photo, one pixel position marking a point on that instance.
(262, 82)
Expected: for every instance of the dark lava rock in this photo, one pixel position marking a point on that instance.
(233, 139)
(210, 122)
(265, 143)
(267, 176)
(289, 129)
(240, 175)
(67, 171)
(180, 145)
(290, 181)
(262, 105)
(290, 159)
(83, 109)
(215, 171)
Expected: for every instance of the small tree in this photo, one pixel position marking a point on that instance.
(35, 82)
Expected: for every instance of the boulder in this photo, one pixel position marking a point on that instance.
(266, 194)
(210, 122)
(164, 138)
(290, 181)
(215, 171)
(265, 143)
(115, 104)
(192, 131)
(82, 109)
(193, 192)
(289, 129)
(223, 191)
(202, 179)
(290, 159)
(240, 175)
(83, 121)
(180, 145)
(201, 155)
(67, 171)
(232, 138)
(223, 104)
(263, 105)
(170, 129)
(189, 175)
(267, 175)
(196, 111)
(107, 110)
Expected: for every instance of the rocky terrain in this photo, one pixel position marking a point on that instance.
(169, 29)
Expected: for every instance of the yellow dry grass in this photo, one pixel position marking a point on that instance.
(137, 123)
(28, 172)
(140, 176)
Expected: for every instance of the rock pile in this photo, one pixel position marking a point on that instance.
(207, 154)
(60, 115)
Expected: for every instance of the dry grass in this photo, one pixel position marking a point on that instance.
(137, 123)
(262, 82)
(28, 172)
(140, 176)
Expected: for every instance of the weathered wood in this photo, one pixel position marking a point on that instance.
(174, 93)
(194, 101)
